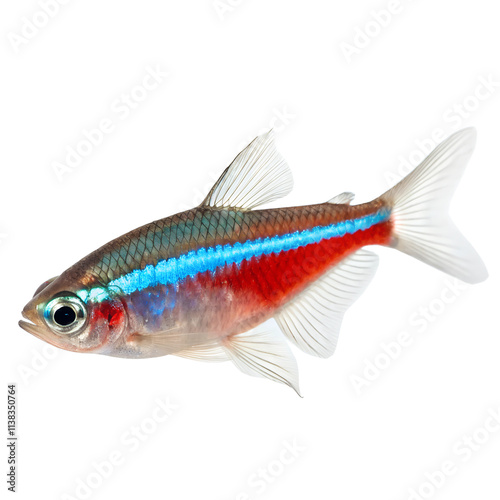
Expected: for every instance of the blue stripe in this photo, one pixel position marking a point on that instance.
(209, 259)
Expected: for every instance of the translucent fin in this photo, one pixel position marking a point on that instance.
(312, 319)
(263, 352)
(422, 226)
(173, 342)
(342, 199)
(185, 345)
(205, 352)
(257, 175)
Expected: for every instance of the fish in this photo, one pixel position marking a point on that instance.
(230, 281)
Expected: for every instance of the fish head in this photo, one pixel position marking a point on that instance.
(74, 316)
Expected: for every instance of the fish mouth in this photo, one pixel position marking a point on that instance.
(31, 327)
(41, 333)
(38, 332)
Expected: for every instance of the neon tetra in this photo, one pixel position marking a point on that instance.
(203, 284)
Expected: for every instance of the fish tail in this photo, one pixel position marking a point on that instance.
(419, 204)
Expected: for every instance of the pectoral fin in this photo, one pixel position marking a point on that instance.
(210, 351)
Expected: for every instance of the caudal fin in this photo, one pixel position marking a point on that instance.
(422, 226)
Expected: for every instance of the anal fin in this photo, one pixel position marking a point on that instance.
(312, 319)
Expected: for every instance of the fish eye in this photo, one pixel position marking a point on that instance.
(66, 314)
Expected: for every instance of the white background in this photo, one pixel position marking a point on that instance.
(348, 124)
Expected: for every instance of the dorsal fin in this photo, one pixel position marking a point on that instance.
(258, 175)
(342, 199)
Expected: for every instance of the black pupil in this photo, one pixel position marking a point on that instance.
(64, 316)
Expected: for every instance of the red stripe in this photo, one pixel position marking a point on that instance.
(267, 282)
